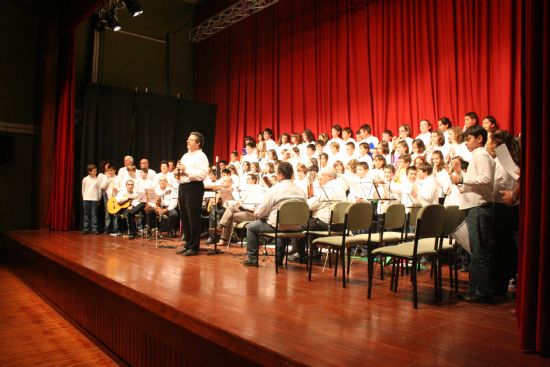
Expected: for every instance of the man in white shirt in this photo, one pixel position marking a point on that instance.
(165, 172)
(191, 170)
(123, 172)
(476, 201)
(125, 195)
(167, 211)
(144, 164)
(285, 190)
(327, 192)
(251, 195)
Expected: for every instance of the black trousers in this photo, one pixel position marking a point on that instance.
(505, 250)
(190, 201)
(131, 217)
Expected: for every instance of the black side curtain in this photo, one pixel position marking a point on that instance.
(118, 122)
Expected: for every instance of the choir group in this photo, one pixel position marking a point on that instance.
(444, 164)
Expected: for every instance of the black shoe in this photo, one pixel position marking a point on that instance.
(249, 262)
(472, 298)
(190, 252)
(180, 249)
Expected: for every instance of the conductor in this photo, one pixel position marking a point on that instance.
(190, 172)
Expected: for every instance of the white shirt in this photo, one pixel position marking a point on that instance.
(170, 179)
(478, 180)
(123, 197)
(366, 158)
(91, 190)
(278, 194)
(252, 157)
(425, 137)
(460, 150)
(361, 188)
(167, 198)
(503, 182)
(372, 141)
(251, 195)
(123, 173)
(443, 181)
(196, 166)
(427, 193)
(321, 202)
(270, 144)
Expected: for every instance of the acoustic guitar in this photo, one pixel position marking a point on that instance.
(113, 207)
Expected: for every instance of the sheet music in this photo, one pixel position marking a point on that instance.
(150, 195)
(506, 160)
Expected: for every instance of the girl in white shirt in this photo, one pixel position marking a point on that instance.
(441, 175)
(456, 146)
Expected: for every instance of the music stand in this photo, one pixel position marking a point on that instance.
(326, 194)
(158, 234)
(215, 250)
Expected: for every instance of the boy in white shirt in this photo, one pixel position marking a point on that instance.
(91, 192)
(350, 152)
(477, 202)
(427, 187)
(361, 185)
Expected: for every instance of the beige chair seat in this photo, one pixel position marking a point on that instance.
(425, 248)
(336, 241)
(284, 234)
(389, 236)
(430, 242)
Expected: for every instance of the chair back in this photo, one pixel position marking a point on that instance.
(338, 212)
(395, 216)
(413, 214)
(293, 213)
(452, 220)
(430, 221)
(359, 216)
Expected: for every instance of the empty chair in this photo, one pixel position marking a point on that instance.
(429, 225)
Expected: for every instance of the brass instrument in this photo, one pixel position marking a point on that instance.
(310, 180)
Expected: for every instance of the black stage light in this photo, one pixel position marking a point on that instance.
(133, 7)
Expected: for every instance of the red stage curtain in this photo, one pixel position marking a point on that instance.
(311, 64)
(533, 303)
(60, 211)
(61, 200)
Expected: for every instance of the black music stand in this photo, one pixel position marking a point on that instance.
(215, 250)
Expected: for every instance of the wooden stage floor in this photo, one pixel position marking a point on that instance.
(284, 319)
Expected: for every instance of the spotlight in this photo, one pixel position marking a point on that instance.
(133, 7)
(112, 21)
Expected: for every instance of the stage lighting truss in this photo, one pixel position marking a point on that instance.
(107, 14)
(226, 18)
